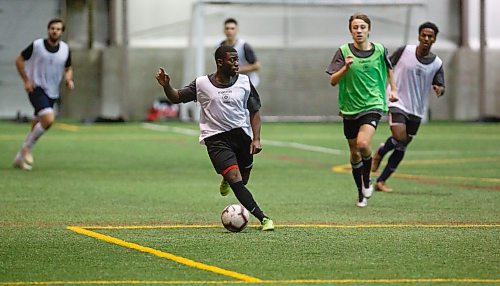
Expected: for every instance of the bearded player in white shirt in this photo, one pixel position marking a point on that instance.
(229, 123)
(416, 71)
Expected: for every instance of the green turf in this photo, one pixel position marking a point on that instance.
(128, 175)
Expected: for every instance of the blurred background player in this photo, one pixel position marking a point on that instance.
(249, 65)
(229, 123)
(416, 71)
(361, 69)
(42, 65)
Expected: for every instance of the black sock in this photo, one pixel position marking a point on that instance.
(367, 165)
(392, 164)
(389, 145)
(357, 171)
(246, 199)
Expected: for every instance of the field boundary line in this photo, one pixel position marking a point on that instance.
(162, 254)
(295, 145)
(180, 226)
(305, 281)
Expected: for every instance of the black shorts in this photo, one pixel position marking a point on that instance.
(39, 100)
(352, 125)
(399, 117)
(229, 150)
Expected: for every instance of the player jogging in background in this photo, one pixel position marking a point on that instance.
(416, 71)
(249, 65)
(42, 66)
(229, 123)
(361, 69)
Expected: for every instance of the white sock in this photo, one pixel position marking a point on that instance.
(33, 136)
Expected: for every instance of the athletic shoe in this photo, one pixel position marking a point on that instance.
(267, 224)
(382, 187)
(362, 204)
(367, 192)
(376, 159)
(27, 156)
(20, 163)
(224, 188)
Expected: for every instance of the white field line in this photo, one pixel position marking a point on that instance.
(295, 145)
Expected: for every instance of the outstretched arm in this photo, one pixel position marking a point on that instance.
(164, 80)
(255, 147)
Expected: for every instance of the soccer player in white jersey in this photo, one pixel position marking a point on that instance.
(42, 66)
(416, 71)
(229, 122)
(249, 65)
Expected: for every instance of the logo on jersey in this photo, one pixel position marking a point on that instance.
(226, 95)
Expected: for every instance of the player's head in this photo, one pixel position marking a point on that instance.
(55, 21)
(55, 29)
(359, 27)
(226, 59)
(230, 28)
(427, 33)
(429, 25)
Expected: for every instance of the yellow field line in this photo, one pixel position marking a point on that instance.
(346, 169)
(169, 256)
(67, 127)
(308, 281)
(493, 225)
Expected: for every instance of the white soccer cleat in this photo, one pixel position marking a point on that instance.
(367, 192)
(362, 204)
(20, 163)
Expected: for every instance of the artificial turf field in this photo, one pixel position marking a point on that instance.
(138, 204)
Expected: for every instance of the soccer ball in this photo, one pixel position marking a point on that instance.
(235, 217)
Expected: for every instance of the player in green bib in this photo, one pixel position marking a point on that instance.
(362, 70)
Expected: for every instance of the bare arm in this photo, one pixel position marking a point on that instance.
(255, 147)
(438, 89)
(335, 77)
(28, 84)
(164, 80)
(68, 75)
(393, 96)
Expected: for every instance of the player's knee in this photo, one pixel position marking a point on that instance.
(233, 176)
(401, 146)
(363, 146)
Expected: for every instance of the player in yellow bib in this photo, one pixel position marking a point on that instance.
(362, 70)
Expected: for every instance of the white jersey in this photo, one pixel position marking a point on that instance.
(414, 82)
(223, 109)
(46, 69)
(242, 60)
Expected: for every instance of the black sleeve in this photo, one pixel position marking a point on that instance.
(386, 59)
(188, 93)
(397, 55)
(336, 64)
(253, 103)
(26, 53)
(439, 77)
(249, 54)
(68, 60)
